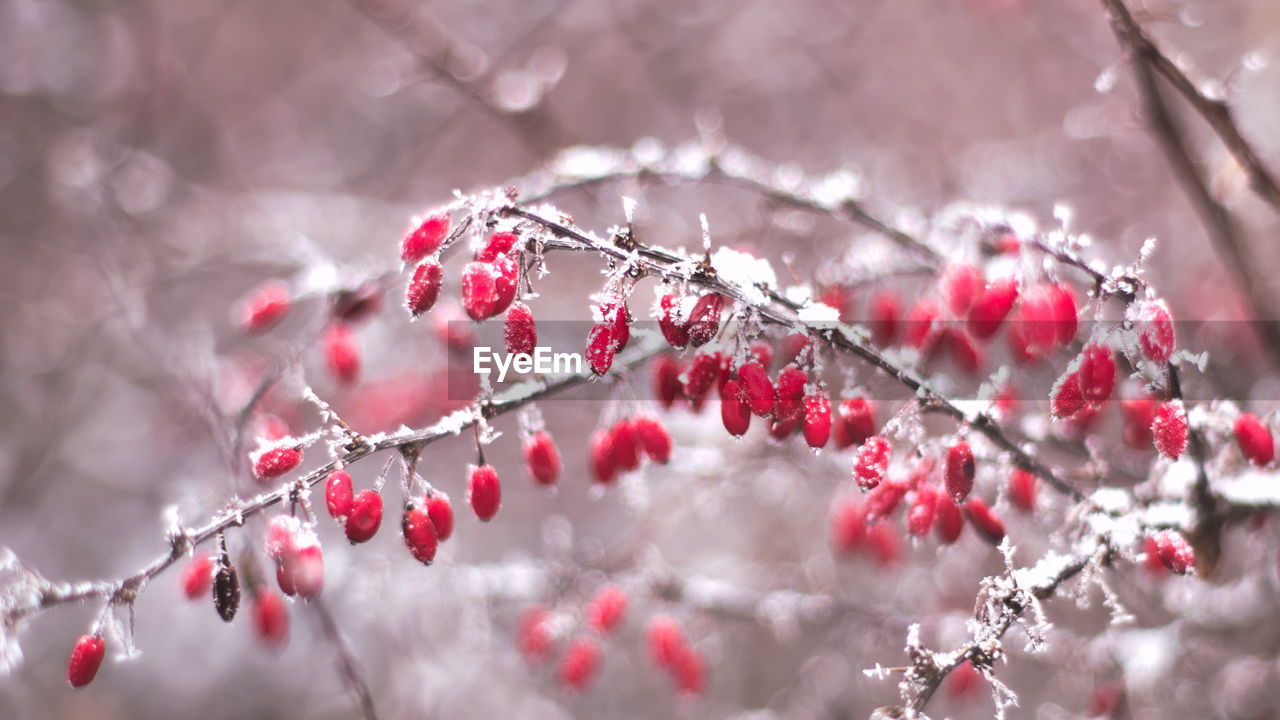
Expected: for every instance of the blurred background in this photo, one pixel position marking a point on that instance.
(160, 159)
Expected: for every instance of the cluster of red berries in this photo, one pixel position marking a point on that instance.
(622, 446)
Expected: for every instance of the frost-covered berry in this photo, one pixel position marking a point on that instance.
(281, 540)
(484, 492)
(426, 238)
(788, 396)
(1154, 323)
(541, 458)
(817, 419)
(885, 311)
(580, 662)
(498, 244)
(1169, 429)
(1035, 330)
(704, 319)
(520, 331)
(1097, 374)
(674, 331)
(306, 570)
(702, 374)
(601, 347)
(607, 609)
(883, 500)
(264, 307)
(270, 618)
(762, 352)
(86, 658)
(758, 388)
(479, 291)
(1175, 552)
(665, 639)
(1022, 489)
(603, 465)
(626, 446)
(419, 535)
(734, 411)
(1066, 398)
(441, 513)
(275, 462)
(654, 437)
(506, 279)
(366, 516)
(197, 575)
(666, 381)
(992, 307)
(961, 285)
(871, 464)
(533, 633)
(922, 511)
(338, 494)
(424, 288)
(958, 470)
(1254, 439)
(987, 522)
(855, 421)
(949, 521)
(341, 353)
(621, 318)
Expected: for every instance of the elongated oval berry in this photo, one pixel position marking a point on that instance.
(533, 633)
(961, 286)
(734, 412)
(338, 494)
(424, 288)
(758, 388)
(1065, 312)
(274, 462)
(1097, 374)
(479, 291)
(665, 639)
(520, 331)
(499, 244)
(688, 670)
(1022, 489)
(541, 458)
(762, 352)
(884, 544)
(959, 470)
(506, 279)
(341, 353)
(883, 500)
(426, 238)
(788, 398)
(484, 492)
(872, 462)
(1035, 328)
(1139, 415)
(962, 349)
(305, 569)
(626, 446)
(1175, 552)
(621, 326)
(419, 535)
(666, 381)
(922, 511)
(885, 311)
(603, 467)
(270, 618)
(282, 538)
(703, 373)
(704, 319)
(817, 419)
(607, 609)
(992, 307)
(86, 658)
(365, 518)
(780, 429)
(600, 347)
(1254, 440)
(987, 522)
(264, 307)
(855, 421)
(654, 437)
(922, 325)
(226, 589)
(674, 331)
(285, 580)
(580, 662)
(848, 526)
(948, 521)
(197, 575)
(1066, 399)
(1169, 429)
(1154, 323)
(441, 513)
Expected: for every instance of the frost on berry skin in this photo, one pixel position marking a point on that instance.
(653, 436)
(1139, 415)
(817, 419)
(921, 325)
(1154, 323)
(884, 544)
(533, 633)
(338, 494)
(885, 311)
(580, 662)
(265, 306)
(520, 331)
(226, 589)
(704, 319)
(1022, 489)
(498, 244)
(426, 238)
(626, 446)
(1097, 374)
(675, 332)
(961, 285)
(601, 347)
(621, 318)
(484, 492)
(1169, 429)
(958, 470)
(342, 355)
(306, 570)
(666, 381)
(441, 513)
(758, 388)
(734, 412)
(86, 658)
(1066, 398)
(883, 500)
(949, 521)
(506, 278)
(542, 458)
(281, 540)
(992, 307)
(985, 520)
(424, 288)
(923, 509)
(1175, 552)
(365, 518)
(607, 609)
(604, 469)
(1254, 439)
(855, 421)
(197, 575)
(419, 535)
(665, 639)
(702, 374)
(788, 396)
(479, 291)
(762, 352)
(872, 462)
(270, 618)
(275, 462)
(848, 526)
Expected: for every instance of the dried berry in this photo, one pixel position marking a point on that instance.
(1022, 489)
(479, 291)
(654, 437)
(872, 462)
(1154, 324)
(426, 238)
(704, 319)
(987, 522)
(521, 332)
(86, 658)
(855, 421)
(274, 462)
(484, 492)
(607, 609)
(1097, 374)
(357, 304)
(270, 618)
(541, 458)
(264, 307)
(419, 535)
(922, 511)
(1169, 429)
(734, 411)
(338, 494)
(441, 513)
(424, 288)
(949, 521)
(366, 516)
(1175, 552)
(992, 307)
(666, 381)
(817, 419)
(959, 470)
(1254, 439)
(226, 589)
(580, 662)
(603, 468)
(197, 575)
(673, 330)
(499, 244)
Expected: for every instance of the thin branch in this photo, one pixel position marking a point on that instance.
(348, 665)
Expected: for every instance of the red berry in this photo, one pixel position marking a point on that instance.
(601, 347)
(1036, 329)
(541, 458)
(275, 462)
(285, 581)
(761, 352)
(666, 381)
(855, 421)
(521, 332)
(341, 353)
(848, 526)
(962, 681)
(533, 633)
(964, 353)
(688, 669)
(1154, 324)
(922, 511)
(270, 618)
(885, 310)
(282, 538)
(1139, 414)
(506, 279)
(306, 571)
(1022, 489)
(197, 575)
(788, 397)
(992, 307)
(366, 516)
(426, 238)
(441, 514)
(1007, 244)
(86, 658)
(883, 500)
(922, 325)
(961, 286)
(793, 345)
(817, 419)
(949, 520)
(1066, 399)
(1065, 311)
(621, 325)
(872, 462)
(1175, 552)
(270, 427)
(703, 373)
(704, 319)
(1254, 440)
(734, 412)
(580, 662)
(607, 608)
(419, 535)
(338, 494)
(264, 307)
(654, 437)
(884, 544)
(1097, 374)
(959, 470)
(479, 291)
(484, 492)
(673, 330)
(1169, 429)
(626, 446)
(665, 639)
(424, 288)
(603, 463)
(985, 520)
(781, 429)
(758, 388)
(499, 244)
